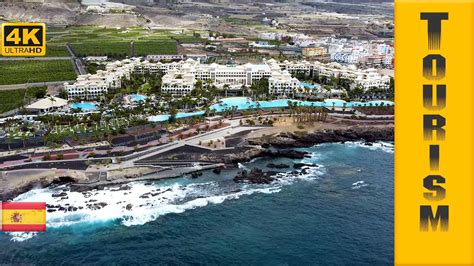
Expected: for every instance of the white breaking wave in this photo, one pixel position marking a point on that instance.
(359, 184)
(139, 203)
(379, 145)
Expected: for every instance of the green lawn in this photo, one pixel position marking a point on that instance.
(10, 100)
(17, 72)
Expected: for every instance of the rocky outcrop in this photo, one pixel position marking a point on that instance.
(255, 176)
(243, 156)
(290, 154)
(303, 139)
(278, 166)
(304, 165)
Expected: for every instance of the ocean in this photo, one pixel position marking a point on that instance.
(339, 213)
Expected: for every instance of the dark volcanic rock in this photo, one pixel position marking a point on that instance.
(291, 154)
(129, 206)
(217, 171)
(291, 140)
(97, 206)
(278, 166)
(255, 176)
(301, 165)
(121, 188)
(61, 194)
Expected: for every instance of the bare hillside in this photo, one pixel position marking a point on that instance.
(55, 13)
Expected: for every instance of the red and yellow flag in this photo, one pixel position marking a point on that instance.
(23, 217)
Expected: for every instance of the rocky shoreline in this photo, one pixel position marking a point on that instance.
(276, 146)
(285, 142)
(306, 139)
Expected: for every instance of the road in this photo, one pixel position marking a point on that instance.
(78, 66)
(34, 58)
(35, 84)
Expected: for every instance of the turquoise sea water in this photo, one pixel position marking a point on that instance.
(340, 213)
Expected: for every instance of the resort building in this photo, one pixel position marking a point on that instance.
(159, 57)
(178, 83)
(179, 77)
(46, 105)
(92, 86)
(366, 78)
(370, 79)
(283, 84)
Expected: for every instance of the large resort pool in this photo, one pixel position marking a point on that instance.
(244, 103)
(84, 106)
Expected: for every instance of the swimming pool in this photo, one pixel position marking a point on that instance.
(137, 97)
(85, 106)
(310, 86)
(244, 103)
(164, 118)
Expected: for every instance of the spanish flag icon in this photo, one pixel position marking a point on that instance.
(23, 217)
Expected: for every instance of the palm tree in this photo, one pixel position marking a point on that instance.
(9, 140)
(226, 87)
(24, 137)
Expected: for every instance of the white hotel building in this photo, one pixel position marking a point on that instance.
(367, 78)
(180, 77)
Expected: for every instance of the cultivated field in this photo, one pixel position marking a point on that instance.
(10, 100)
(57, 51)
(116, 42)
(18, 72)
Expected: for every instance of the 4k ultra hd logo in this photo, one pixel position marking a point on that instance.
(23, 39)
